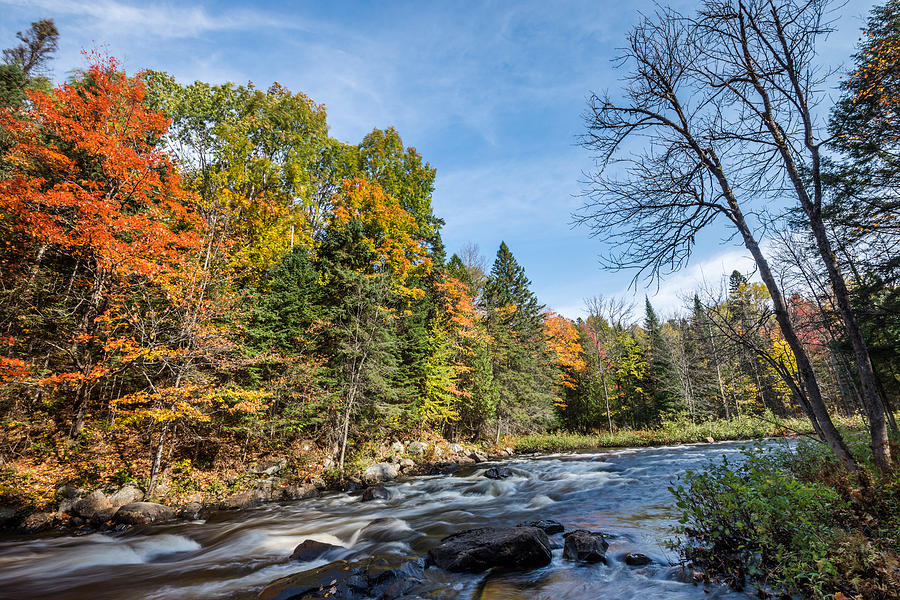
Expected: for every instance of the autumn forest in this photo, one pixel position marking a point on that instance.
(196, 277)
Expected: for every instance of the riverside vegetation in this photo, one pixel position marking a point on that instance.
(197, 281)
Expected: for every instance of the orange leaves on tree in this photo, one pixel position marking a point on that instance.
(563, 342)
(391, 232)
(88, 178)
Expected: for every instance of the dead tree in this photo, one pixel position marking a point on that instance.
(676, 152)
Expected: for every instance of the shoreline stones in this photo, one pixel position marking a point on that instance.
(143, 513)
(476, 550)
(548, 526)
(585, 546)
(380, 472)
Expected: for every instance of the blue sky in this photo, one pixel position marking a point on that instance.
(490, 93)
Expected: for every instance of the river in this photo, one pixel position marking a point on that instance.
(621, 492)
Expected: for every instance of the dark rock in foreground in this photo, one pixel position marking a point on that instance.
(585, 546)
(477, 550)
(549, 526)
(498, 473)
(311, 550)
(636, 559)
(143, 513)
(342, 580)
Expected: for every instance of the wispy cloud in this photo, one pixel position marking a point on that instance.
(166, 20)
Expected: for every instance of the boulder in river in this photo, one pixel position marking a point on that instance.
(126, 495)
(477, 550)
(377, 492)
(380, 472)
(309, 550)
(549, 526)
(91, 504)
(342, 580)
(636, 559)
(585, 546)
(190, 511)
(143, 513)
(498, 473)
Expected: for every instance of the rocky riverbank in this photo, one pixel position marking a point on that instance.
(78, 509)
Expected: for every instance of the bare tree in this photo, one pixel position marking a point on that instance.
(605, 317)
(681, 150)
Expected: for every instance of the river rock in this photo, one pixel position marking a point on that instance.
(126, 495)
(91, 504)
(455, 449)
(104, 516)
(636, 559)
(480, 457)
(406, 463)
(310, 550)
(376, 492)
(417, 448)
(342, 580)
(397, 447)
(710, 439)
(477, 550)
(69, 491)
(297, 491)
(190, 511)
(143, 513)
(380, 472)
(585, 546)
(498, 473)
(37, 522)
(244, 500)
(465, 460)
(388, 529)
(548, 526)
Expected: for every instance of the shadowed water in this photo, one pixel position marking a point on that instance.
(234, 555)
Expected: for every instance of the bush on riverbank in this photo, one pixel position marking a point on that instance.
(678, 430)
(792, 521)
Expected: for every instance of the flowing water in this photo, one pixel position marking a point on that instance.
(234, 555)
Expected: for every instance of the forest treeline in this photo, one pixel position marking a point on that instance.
(192, 272)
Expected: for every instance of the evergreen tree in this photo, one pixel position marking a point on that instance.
(662, 378)
(521, 364)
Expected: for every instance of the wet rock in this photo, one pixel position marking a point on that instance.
(477, 550)
(244, 500)
(417, 448)
(37, 522)
(342, 580)
(380, 472)
(443, 468)
(406, 463)
(498, 473)
(310, 550)
(585, 546)
(190, 511)
(465, 460)
(298, 491)
(269, 467)
(143, 513)
(126, 495)
(636, 559)
(479, 457)
(91, 504)
(377, 492)
(548, 526)
(387, 529)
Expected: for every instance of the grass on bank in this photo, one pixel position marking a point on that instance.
(680, 430)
